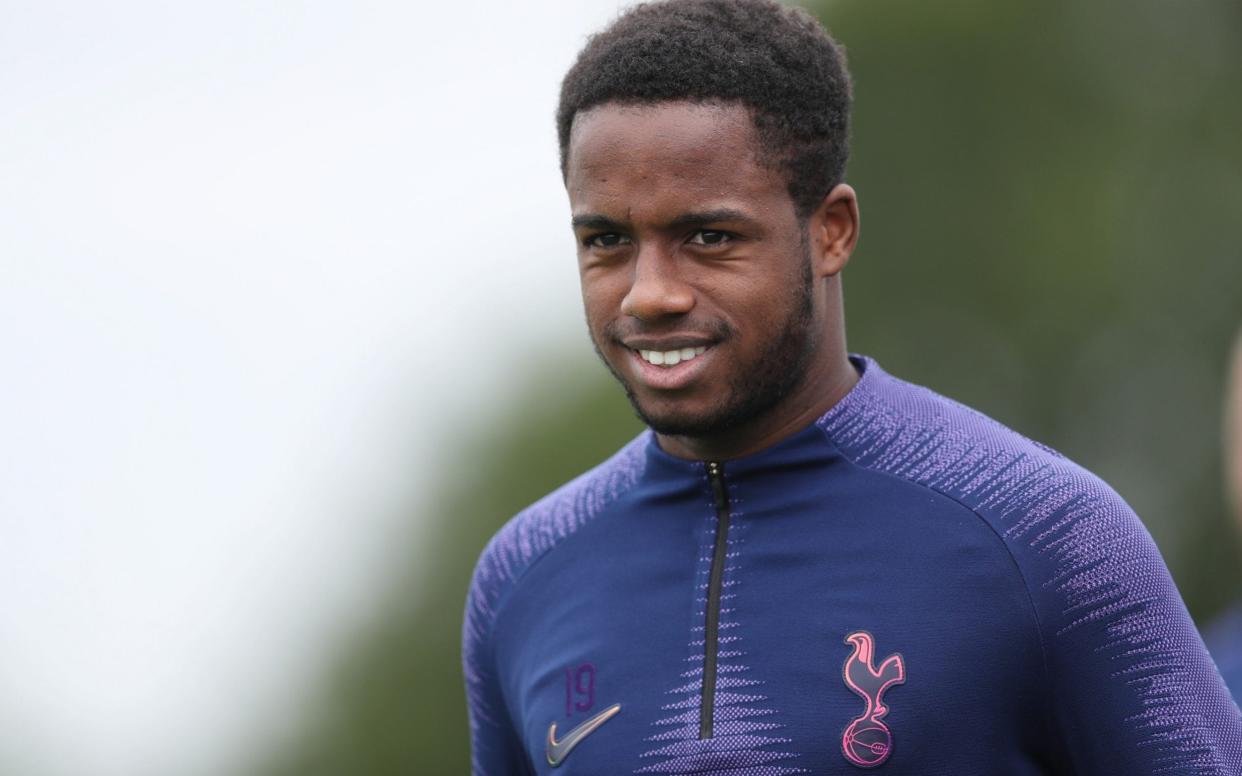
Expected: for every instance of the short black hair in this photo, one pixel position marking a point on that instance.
(777, 61)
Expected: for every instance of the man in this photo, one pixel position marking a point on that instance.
(806, 565)
(1224, 638)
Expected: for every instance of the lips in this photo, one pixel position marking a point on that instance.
(667, 361)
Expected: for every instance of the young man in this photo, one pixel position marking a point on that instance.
(806, 565)
(1224, 638)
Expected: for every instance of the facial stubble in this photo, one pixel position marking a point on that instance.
(754, 389)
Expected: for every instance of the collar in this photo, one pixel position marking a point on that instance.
(810, 445)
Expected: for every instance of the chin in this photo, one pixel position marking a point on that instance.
(672, 421)
(679, 425)
(730, 415)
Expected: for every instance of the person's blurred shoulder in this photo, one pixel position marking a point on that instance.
(1224, 641)
(1224, 636)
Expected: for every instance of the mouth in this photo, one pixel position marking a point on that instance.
(671, 369)
(670, 358)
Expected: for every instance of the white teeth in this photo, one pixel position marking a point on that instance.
(671, 357)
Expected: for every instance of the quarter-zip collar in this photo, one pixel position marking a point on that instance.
(809, 446)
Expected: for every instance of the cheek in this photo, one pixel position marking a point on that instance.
(596, 311)
(757, 300)
(602, 293)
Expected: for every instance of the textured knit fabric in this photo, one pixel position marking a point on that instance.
(906, 586)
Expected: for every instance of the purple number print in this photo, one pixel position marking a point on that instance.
(579, 688)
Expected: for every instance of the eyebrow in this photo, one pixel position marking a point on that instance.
(594, 221)
(597, 221)
(709, 217)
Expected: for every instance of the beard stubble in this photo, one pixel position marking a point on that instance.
(754, 389)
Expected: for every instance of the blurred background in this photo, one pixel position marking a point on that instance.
(289, 325)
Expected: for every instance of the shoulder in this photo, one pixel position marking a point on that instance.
(914, 433)
(1224, 641)
(518, 545)
(1070, 533)
(538, 529)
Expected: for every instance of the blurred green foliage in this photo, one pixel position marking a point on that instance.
(396, 704)
(1050, 194)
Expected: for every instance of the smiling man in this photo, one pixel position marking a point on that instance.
(699, 275)
(806, 565)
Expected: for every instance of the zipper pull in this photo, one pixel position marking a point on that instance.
(715, 472)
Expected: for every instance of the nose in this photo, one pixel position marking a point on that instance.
(657, 289)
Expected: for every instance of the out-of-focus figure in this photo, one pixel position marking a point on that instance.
(1224, 637)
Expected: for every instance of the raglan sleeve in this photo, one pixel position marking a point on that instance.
(495, 748)
(1133, 689)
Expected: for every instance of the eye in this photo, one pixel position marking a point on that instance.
(710, 237)
(605, 240)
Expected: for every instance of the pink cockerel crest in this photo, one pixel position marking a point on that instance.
(867, 741)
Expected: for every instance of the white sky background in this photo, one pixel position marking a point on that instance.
(255, 261)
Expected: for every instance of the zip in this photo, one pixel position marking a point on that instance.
(711, 630)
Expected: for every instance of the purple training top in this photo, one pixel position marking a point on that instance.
(905, 586)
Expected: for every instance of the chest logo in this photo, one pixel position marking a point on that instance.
(557, 751)
(867, 741)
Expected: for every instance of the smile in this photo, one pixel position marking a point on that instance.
(670, 357)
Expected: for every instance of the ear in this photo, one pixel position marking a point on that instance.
(833, 231)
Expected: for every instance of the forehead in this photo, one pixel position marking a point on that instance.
(656, 156)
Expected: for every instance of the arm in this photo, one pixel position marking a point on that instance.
(495, 748)
(1134, 690)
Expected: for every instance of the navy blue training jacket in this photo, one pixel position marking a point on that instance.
(905, 586)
